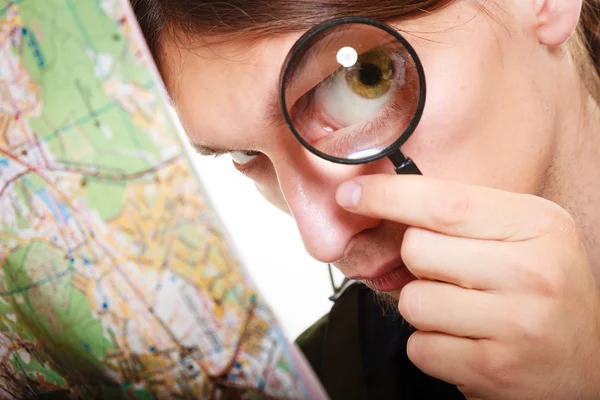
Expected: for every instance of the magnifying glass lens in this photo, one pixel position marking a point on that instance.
(352, 91)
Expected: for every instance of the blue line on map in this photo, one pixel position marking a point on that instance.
(64, 210)
(38, 283)
(86, 37)
(59, 210)
(20, 366)
(286, 351)
(9, 5)
(84, 33)
(83, 120)
(3, 162)
(35, 47)
(129, 127)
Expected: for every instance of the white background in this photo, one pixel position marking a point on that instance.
(295, 286)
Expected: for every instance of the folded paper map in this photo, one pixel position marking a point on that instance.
(117, 278)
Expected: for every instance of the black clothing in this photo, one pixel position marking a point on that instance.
(359, 352)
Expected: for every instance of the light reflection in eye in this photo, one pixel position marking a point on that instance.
(347, 56)
(338, 107)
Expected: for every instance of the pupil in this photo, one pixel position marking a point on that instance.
(370, 74)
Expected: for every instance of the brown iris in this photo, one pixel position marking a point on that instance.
(372, 76)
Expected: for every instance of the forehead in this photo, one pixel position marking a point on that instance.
(224, 89)
(223, 92)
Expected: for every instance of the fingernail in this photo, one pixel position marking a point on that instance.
(348, 194)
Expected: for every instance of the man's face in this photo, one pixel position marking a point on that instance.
(489, 120)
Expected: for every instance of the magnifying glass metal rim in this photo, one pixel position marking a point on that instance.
(309, 35)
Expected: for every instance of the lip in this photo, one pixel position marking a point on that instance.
(388, 278)
(380, 271)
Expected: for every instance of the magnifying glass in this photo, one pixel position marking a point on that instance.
(353, 91)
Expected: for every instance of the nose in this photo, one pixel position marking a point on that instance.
(308, 184)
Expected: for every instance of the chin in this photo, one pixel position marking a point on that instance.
(395, 295)
(388, 303)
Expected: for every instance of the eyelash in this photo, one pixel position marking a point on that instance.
(374, 125)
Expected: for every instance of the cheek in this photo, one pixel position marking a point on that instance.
(267, 185)
(484, 121)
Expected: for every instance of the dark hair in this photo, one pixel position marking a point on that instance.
(585, 46)
(258, 18)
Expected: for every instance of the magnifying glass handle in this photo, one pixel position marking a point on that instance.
(408, 168)
(404, 165)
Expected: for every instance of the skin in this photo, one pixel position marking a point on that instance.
(501, 229)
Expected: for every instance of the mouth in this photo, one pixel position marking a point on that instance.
(389, 278)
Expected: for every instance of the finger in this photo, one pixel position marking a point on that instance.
(445, 308)
(469, 263)
(451, 208)
(445, 357)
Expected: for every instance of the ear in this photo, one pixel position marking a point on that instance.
(556, 20)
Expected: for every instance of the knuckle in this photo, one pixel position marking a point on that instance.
(530, 324)
(554, 280)
(451, 209)
(496, 365)
(543, 275)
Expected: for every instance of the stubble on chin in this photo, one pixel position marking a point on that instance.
(388, 304)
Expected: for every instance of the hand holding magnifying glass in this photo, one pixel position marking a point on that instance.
(353, 91)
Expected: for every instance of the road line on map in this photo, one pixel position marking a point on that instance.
(12, 180)
(150, 309)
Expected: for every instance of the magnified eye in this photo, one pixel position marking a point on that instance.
(352, 91)
(354, 94)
